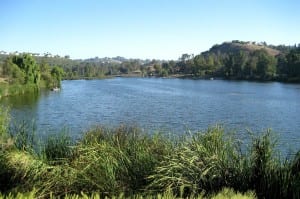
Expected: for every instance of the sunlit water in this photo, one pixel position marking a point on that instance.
(175, 105)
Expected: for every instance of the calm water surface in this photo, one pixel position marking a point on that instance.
(173, 104)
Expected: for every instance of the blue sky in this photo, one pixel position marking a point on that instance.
(161, 29)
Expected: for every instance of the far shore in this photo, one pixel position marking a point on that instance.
(190, 76)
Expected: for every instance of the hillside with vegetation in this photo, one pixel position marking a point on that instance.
(241, 60)
(236, 46)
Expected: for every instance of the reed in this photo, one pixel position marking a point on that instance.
(57, 148)
(17, 89)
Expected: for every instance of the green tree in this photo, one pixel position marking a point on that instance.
(250, 67)
(57, 74)
(235, 64)
(13, 72)
(293, 63)
(185, 57)
(282, 67)
(28, 65)
(266, 64)
(199, 65)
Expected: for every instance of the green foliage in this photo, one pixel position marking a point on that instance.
(25, 75)
(258, 64)
(4, 122)
(27, 64)
(127, 162)
(28, 171)
(22, 73)
(16, 89)
(109, 161)
(202, 162)
(24, 136)
(293, 63)
(210, 161)
(13, 72)
(56, 73)
(266, 64)
(119, 160)
(57, 148)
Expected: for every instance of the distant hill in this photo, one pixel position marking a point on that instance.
(235, 46)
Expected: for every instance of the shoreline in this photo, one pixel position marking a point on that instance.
(192, 77)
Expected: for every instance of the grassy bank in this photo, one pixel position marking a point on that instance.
(16, 89)
(126, 162)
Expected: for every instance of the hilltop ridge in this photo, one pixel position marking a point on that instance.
(235, 46)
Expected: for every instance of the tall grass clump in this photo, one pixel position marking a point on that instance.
(58, 148)
(119, 160)
(5, 144)
(24, 166)
(208, 161)
(271, 176)
(24, 135)
(202, 162)
(17, 89)
(4, 122)
(108, 161)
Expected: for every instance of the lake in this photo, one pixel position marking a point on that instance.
(174, 105)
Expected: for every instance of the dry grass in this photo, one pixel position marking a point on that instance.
(227, 47)
(252, 47)
(3, 80)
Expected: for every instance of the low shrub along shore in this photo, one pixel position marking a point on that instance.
(17, 89)
(124, 161)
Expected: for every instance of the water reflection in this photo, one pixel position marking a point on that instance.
(23, 108)
(28, 100)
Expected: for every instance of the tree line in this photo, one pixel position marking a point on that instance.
(263, 62)
(240, 64)
(234, 60)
